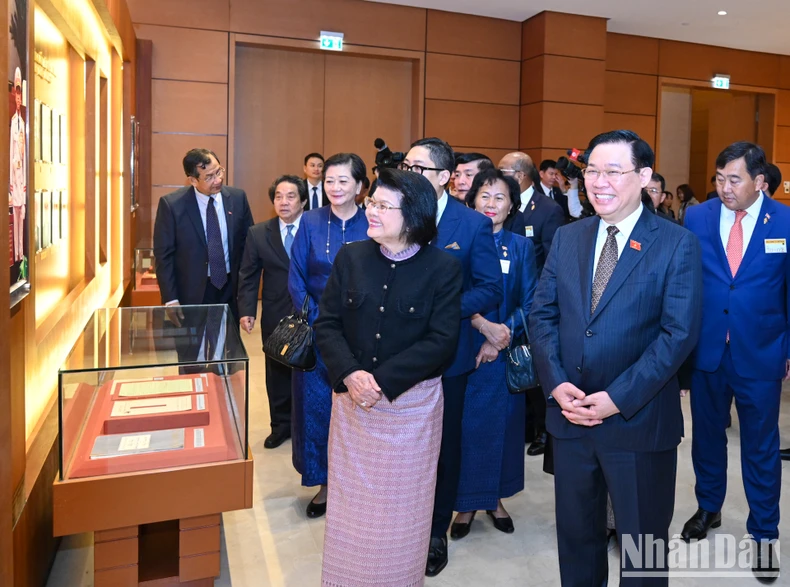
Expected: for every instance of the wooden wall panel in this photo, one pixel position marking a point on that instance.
(196, 107)
(174, 55)
(530, 134)
(494, 154)
(701, 62)
(631, 54)
(461, 123)
(533, 35)
(573, 80)
(213, 15)
(169, 149)
(468, 79)
(574, 35)
(644, 126)
(363, 23)
(783, 145)
(551, 125)
(475, 36)
(532, 79)
(783, 108)
(630, 93)
(784, 72)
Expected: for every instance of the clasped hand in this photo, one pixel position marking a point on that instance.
(582, 409)
(363, 389)
(497, 334)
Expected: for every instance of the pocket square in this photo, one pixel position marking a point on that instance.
(453, 246)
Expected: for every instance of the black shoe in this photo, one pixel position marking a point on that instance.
(276, 438)
(538, 446)
(502, 524)
(316, 510)
(766, 563)
(460, 529)
(784, 453)
(698, 525)
(437, 556)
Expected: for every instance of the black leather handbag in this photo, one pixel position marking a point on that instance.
(520, 367)
(293, 342)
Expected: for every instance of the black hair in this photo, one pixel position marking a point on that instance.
(753, 155)
(647, 202)
(358, 169)
(713, 178)
(641, 154)
(488, 177)
(417, 206)
(548, 164)
(483, 162)
(301, 186)
(197, 158)
(669, 195)
(313, 156)
(441, 153)
(773, 176)
(660, 179)
(687, 192)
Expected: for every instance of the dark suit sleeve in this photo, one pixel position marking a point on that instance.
(544, 325)
(297, 275)
(165, 251)
(553, 222)
(486, 291)
(680, 327)
(528, 283)
(517, 225)
(402, 371)
(337, 355)
(249, 277)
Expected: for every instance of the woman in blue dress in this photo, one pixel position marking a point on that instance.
(492, 446)
(322, 233)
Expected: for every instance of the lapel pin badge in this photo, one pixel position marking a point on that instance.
(635, 245)
(766, 219)
(533, 206)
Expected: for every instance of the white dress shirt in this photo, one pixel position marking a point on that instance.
(727, 220)
(526, 196)
(319, 192)
(203, 201)
(442, 204)
(547, 191)
(574, 204)
(625, 226)
(284, 228)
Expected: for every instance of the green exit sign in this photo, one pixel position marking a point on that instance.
(721, 82)
(331, 41)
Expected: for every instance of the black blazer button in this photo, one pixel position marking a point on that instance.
(726, 311)
(411, 310)
(732, 287)
(589, 333)
(381, 309)
(578, 369)
(378, 336)
(375, 360)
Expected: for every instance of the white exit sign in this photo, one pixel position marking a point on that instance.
(331, 41)
(721, 82)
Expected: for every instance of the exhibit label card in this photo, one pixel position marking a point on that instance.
(163, 387)
(117, 445)
(144, 407)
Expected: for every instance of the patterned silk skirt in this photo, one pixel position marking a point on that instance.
(382, 478)
(311, 409)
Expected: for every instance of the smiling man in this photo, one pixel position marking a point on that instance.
(604, 354)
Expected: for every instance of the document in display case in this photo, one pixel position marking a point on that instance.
(145, 291)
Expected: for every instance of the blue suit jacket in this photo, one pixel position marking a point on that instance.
(468, 236)
(753, 305)
(645, 325)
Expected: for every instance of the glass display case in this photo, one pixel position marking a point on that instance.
(145, 269)
(153, 388)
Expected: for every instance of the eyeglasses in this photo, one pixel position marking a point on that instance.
(610, 174)
(379, 207)
(417, 168)
(654, 191)
(212, 176)
(509, 171)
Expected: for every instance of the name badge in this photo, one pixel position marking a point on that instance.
(529, 232)
(505, 265)
(775, 245)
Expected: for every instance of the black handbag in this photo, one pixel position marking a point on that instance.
(293, 342)
(520, 367)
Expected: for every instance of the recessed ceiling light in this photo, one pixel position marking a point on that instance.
(722, 13)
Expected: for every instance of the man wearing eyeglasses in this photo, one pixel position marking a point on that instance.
(616, 312)
(655, 189)
(468, 236)
(199, 236)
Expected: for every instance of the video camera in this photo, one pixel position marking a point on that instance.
(567, 165)
(385, 157)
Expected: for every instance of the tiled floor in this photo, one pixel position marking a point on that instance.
(275, 545)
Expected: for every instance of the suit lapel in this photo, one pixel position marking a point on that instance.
(757, 242)
(448, 224)
(644, 235)
(193, 211)
(713, 220)
(530, 209)
(275, 241)
(227, 202)
(587, 243)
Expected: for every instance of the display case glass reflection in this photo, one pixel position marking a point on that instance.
(55, 137)
(46, 134)
(145, 269)
(153, 388)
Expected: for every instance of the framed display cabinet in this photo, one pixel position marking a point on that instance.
(145, 291)
(153, 416)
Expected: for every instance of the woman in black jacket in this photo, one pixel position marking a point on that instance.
(387, 327)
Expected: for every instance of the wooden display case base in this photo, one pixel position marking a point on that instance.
(146, 297)
(174, 553)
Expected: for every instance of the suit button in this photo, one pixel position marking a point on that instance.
(588, 334)
(411, 310)
(393, 266)
(349, 300)
(726, 311)
(378, 336)
(375, 360)
(381, 309)
(732, 287)
(578, 369)
(385, 287)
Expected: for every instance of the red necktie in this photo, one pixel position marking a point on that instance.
(735, 242)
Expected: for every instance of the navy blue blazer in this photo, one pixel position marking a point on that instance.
(754, 305)
(645, 325)
(180, 245)
(468, 236)
(520, 281)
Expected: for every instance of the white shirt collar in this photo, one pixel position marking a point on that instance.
(752, 211)
(283, 225)
(204, 196)
(310, 186)
(546, 189)
(626, 225)
(526, 196)
(441, 205)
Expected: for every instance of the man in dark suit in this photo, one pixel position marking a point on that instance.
(268, 250)
(467, 236)
(615, 314)
(467, 166)
(743, 351)
(655, 190)
(313, 176)
(199, 237)
(549, 185)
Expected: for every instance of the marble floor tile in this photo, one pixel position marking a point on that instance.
(275, 545)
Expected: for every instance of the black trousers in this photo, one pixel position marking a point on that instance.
(449, 470)
(642, 488)
(536, 413)
(226, 295)
(278, 388)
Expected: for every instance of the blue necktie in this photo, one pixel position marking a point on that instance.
(315, 199)
(216, 252)
(289, 240)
